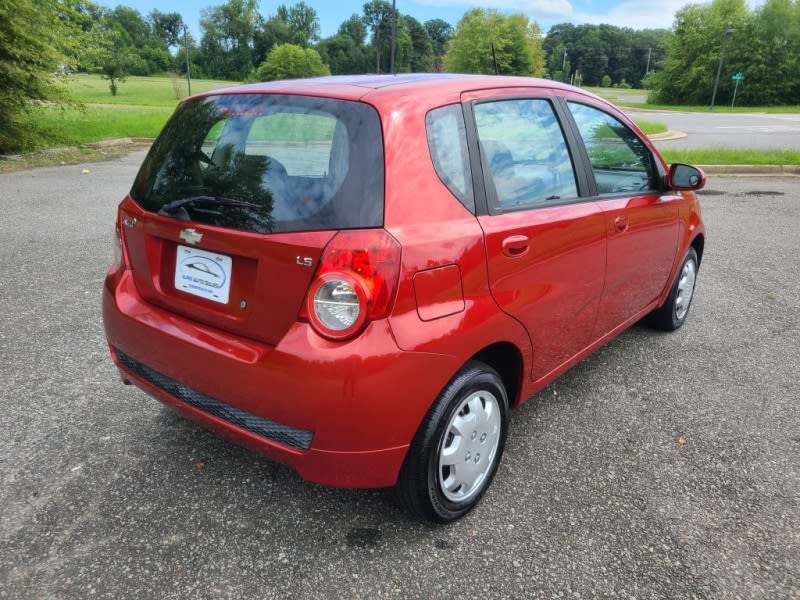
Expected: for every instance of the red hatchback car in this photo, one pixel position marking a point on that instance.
(359, 277)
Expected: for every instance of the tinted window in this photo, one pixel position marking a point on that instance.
(524, 153)
(447, 141)
(620, 160)
(278, 163)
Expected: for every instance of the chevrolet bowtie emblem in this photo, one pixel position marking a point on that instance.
(190, 236)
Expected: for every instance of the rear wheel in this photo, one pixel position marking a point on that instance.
(457, 449)
(675, 309)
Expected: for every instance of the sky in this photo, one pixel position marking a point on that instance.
(636, 14)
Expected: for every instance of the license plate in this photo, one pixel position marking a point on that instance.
(203, 274)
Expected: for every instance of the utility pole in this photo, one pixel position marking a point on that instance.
(394, 37)
(186, 49)
(649, 54)
(719, 67)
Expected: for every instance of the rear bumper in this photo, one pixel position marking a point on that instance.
(340, 414)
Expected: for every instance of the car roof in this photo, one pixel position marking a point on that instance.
(433, 86)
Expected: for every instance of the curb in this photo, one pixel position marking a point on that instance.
(667, 135)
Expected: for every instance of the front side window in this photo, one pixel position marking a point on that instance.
(524, 154)
(621, 162)
(267, 163)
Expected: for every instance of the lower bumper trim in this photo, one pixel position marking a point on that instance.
(277, 432)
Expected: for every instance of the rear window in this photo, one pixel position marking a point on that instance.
(267, 163)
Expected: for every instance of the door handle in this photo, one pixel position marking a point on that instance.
(516, 245)
(621, 224)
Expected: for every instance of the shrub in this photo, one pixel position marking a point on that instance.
(288, 61)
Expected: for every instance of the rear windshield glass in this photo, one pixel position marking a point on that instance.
(267, 163)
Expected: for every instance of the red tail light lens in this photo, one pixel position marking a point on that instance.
(355, 283)
(117, 256)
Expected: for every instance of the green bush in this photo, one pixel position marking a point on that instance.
(605, 81)
(288, 61)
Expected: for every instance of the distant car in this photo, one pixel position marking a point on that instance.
(397, 262)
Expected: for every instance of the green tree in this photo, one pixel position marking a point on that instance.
(355, 28)
(420, 49)
(303, 24)
(227, 42)
(770, 56)
(596, 50)
(558, 63)
(517, 44)
(30, 52)
(297, 24)
(693, 52)
(167, 28)
(378, 18)
(346, 52)
(439, 32)
(289, 61)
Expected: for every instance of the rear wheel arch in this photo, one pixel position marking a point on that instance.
(699, 243)
(506, 359)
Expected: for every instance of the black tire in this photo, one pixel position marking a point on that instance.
(673, 313)
(432, 490)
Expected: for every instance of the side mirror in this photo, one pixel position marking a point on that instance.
(685, 178)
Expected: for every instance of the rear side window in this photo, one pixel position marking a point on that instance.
(524, 154)
(267, 163)
(621, 162)
(447, 142)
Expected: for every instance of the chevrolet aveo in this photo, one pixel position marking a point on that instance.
(359, 277)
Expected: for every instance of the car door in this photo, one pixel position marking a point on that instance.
(545, 245)
(641, 222)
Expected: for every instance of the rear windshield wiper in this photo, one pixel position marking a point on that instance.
(206, 202)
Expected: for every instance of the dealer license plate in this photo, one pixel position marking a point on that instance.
(203, 274)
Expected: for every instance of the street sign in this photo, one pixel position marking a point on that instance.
(737, 78)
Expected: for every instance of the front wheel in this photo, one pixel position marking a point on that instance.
(672, 314)
(457, 449)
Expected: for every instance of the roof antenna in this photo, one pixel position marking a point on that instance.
(494, 61)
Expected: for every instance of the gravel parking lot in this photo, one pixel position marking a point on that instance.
(664, 466)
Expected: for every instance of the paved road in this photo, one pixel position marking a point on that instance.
(726, 130)
(105, 493)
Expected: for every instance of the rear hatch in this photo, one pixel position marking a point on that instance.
(239, 195)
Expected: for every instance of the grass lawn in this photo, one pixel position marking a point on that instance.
(92, 123)
(139, 91)
(728, 156)
(140, 109)
(651, 127)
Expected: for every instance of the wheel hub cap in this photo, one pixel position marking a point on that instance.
(469, 446)
(685, 289)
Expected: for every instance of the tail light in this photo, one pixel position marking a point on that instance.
(119, 239)
(354, 284)
(118, 258)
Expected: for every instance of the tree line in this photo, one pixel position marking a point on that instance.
(237, 42)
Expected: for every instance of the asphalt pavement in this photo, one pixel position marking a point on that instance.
(759, 131)
(663, 466)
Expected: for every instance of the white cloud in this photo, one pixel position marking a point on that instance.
(636, 15)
